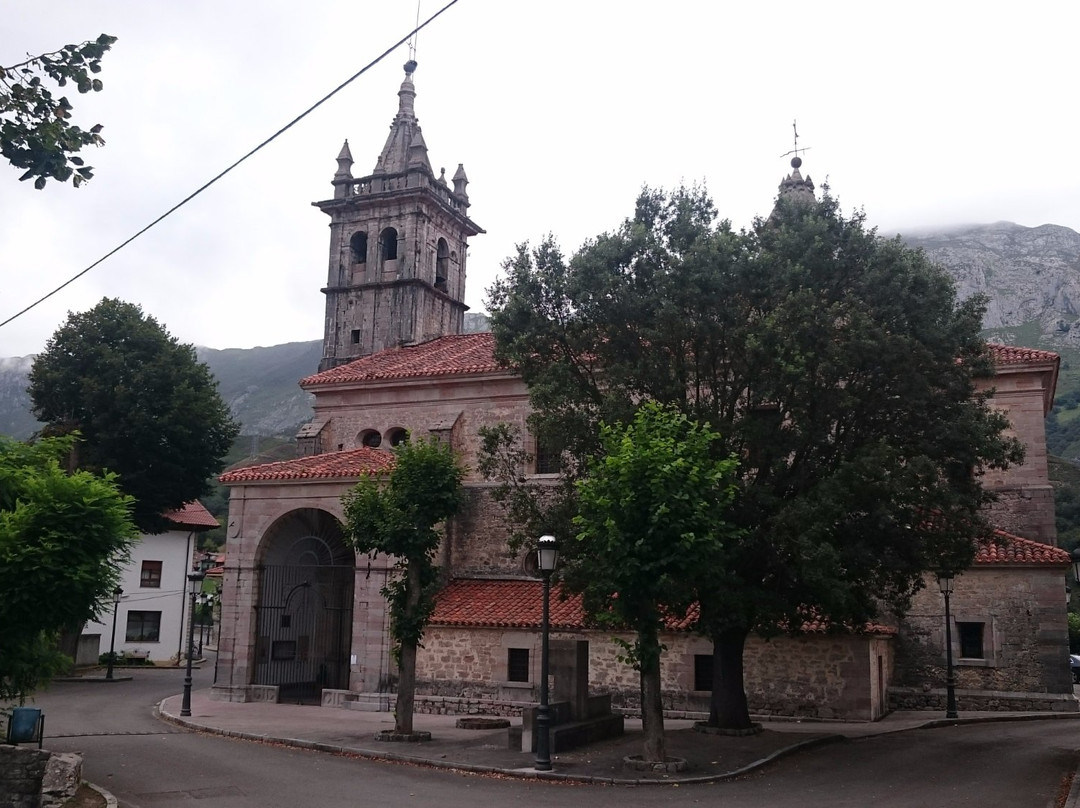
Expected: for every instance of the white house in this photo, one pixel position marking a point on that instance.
(152, 612)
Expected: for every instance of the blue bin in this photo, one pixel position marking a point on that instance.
(23, 727)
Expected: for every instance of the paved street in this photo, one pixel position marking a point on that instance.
(145, 762)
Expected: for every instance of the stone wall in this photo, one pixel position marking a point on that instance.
(814, 676)
(37, 778)
(1025, 635)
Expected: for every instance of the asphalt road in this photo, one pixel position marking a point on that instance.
(147, 763)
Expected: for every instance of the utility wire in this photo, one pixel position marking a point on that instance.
(258, 148)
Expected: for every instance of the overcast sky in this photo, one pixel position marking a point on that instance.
(924, 114)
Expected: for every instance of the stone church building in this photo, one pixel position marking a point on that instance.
(303, 618)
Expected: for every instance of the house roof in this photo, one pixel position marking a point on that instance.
(192, 515)
(352, 463)
(1012, 355)
(518, 603)
(451, 355)
(1006, 549)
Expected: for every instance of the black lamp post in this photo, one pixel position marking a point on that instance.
(945, 584)
(194, 579)
(547, 554)
(116, 595)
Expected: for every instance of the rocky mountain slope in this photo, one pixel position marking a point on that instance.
(1030, 274)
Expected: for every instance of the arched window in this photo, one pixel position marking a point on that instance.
(370, 438)
(388, 243)
(397, 436)
(358, 246)
(442, 265)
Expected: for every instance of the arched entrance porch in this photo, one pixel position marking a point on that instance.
(304, 606)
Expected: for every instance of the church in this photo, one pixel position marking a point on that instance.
(303, 619)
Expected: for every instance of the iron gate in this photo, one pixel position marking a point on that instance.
(304, 623)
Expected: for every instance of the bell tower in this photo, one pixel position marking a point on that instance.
(398, 244)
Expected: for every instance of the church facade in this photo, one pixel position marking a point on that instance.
(303, 618)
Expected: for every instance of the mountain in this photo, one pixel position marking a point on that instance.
(1031, 276)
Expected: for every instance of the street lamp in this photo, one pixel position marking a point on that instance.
(195, 580)
(116, 595)
(945, 584)
(547, 556)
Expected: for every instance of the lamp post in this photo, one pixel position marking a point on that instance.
(547, 554)
(945, 584)
(194, 580)
(116, 595)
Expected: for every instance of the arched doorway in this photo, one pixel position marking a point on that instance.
(304, 607)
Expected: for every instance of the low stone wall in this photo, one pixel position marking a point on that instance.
(909, 698)
(37, 778)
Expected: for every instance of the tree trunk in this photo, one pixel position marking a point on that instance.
(728, 707)
(652, 709)
(403, 713)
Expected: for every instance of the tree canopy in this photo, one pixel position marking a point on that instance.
(144, 406)
(651, 528)
(399, 513)
(63, 540)
(837, 366)
(36, 132)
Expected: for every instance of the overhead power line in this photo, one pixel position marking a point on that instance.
(217, 177)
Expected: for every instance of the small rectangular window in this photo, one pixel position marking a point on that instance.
(150, 575)
(549, 452)
(517, 664)
(971, 640)
(143, 627)
(703, 671)
(355, 336)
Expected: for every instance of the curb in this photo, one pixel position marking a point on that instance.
(532, 774)
(110, 800)
(520, 773)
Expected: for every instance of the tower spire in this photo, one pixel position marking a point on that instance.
(793, 186)
(398, 152)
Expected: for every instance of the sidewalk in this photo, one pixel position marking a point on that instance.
(709, 757)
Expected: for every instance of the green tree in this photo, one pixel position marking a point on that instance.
(145, 407)
(36, 132)
(399, 514)
(63, 539)
(651, 522)
(838, 367)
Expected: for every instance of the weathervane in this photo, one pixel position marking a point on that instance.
(795, 150)
(415, 34)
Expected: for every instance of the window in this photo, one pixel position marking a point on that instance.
(517, 664)
(143, 627)
(703, 671)
(150, 576)
(355, 336)
(971, 640)
(370, 438)
(358, 247)
(442, 265)
(388, 244)
(397, 436)
(548, 455)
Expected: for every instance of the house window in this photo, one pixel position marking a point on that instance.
(517, 664)
(150, 576)
(548, 455)
(971, 640)
(370, 438)
(358, 247)
(355, 336)
(143, 627)
(703, 672)
(397, 436)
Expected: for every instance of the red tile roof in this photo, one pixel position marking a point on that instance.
(1004, 548)
(452, 355)
(193, 514)
(332, 465)
(1012, 355)
(483, 603)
